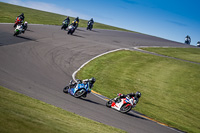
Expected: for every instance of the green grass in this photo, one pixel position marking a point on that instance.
(190, 54)
(22, 114)
(170, 88)
(9, 12)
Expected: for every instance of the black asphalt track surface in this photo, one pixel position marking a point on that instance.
(41, 62)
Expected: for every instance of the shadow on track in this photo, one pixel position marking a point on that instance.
(29, 39)
(88, 100)
(80, 30)
(78, 36)
(29, 30)
(94, 31)
(136, 116)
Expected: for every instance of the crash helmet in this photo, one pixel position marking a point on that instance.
(92, 80)
(138, 94)
(22, 14)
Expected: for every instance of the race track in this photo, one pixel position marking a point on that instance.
(41, 62)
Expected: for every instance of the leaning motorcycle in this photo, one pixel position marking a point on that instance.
(187, 41)
(64, 25)
(78, 89)
(71, 29)
(123, 105)
(90, 25)
(18, 30)
(17, 21)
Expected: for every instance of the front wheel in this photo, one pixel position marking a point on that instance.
(15, 25)
(16, 33)
(79, 93)
(65, 90)
(125, 108)
(109, 103)
(62, 27)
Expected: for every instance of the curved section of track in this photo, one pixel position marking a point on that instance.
(40, 63)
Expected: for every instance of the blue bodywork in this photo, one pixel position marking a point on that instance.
(79, 86)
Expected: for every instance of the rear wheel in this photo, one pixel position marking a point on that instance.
(65, 90)
(125, 108)
(79, 93)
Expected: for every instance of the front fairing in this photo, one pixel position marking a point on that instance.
(123, 101)
(117, 105)
(72, 91)
(19, 27)
(71, 27)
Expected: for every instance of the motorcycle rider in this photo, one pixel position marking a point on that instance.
(92, 81)
(77, 19)
(21, 16)
(73, 23)
(67, 20)
(198, 44)
(78, 81)
(187, 39)
(91, 20)
(135, 96)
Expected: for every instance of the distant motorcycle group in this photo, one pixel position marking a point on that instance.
(74, 25)
(19, 26)
(122, 103)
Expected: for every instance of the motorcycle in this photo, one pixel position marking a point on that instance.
(123, 105)
(78, 89)
(90, 25)
(18, 30)
(198, 44)
(187, 41)
(17, 21)
(64, 25)
(71, 29)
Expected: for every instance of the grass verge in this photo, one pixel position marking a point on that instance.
(9, 12)
(22, 114)
(170, 88)
(190, 54)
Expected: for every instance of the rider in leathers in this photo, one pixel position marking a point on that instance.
(22, 18)
(135, 97)
(67, 20)
(91, 80)
(91, 20)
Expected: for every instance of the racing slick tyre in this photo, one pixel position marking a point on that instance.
(16, 33)
(125, 108)
(15, 25)
(65, 90)
(109, 103)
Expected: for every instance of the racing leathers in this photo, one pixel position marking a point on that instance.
(129, 96)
